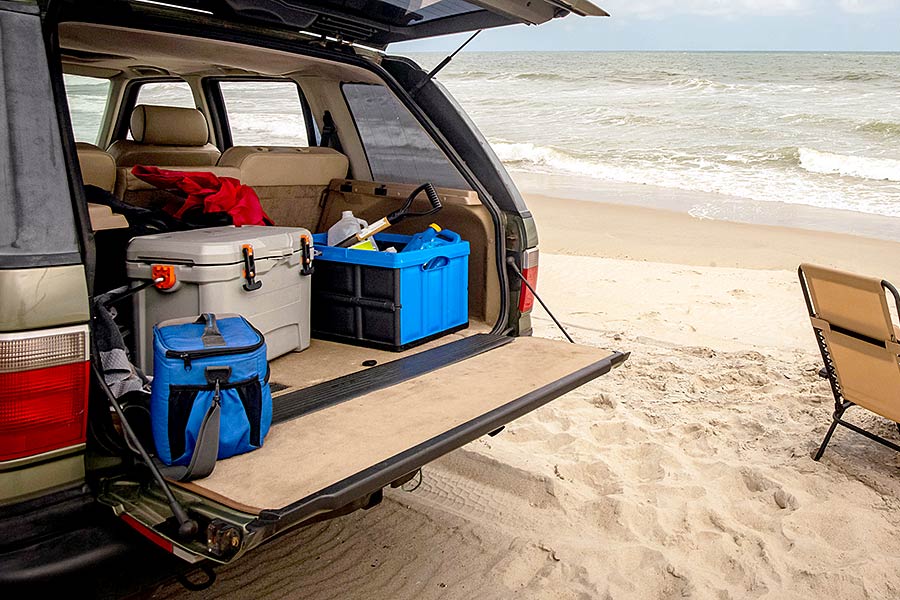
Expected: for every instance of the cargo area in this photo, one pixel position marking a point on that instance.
(356, 403)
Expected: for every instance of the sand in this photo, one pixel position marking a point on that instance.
(685, 473)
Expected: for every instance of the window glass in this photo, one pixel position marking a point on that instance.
(397, 147)
(264, 113)
(87, 102)
(166, 93)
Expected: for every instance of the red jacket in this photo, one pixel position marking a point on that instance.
(214, 194)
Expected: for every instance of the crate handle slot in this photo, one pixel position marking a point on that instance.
(438, 262)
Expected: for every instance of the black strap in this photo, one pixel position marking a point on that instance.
(329, 137)
(211, 337)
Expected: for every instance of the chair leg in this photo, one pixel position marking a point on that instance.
(827, 439)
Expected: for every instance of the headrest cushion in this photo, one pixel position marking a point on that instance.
(168, 126)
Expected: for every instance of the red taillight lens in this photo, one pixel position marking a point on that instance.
(530, 271)
(43, 391)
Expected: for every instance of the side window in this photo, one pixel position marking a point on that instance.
(87, 98)
(397, 147)
(264, 113)
(166, 93)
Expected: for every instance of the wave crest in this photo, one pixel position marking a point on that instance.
(885, 128)
(827, 163)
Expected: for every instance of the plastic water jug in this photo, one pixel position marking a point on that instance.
(347, 226)
(427, 239)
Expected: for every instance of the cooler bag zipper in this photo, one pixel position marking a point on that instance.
(190, 355)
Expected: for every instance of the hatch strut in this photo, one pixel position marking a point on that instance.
(441, 65)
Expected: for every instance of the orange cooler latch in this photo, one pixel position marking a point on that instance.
(166, 272)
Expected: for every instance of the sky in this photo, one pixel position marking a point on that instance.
(826, 25)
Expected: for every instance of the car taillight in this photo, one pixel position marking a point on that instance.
(43, 390)
(530, 271)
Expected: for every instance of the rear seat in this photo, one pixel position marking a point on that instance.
(289, 181)
(166, 135)
(99, 169)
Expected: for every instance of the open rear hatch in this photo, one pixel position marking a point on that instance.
(378, 23)
(341, 442)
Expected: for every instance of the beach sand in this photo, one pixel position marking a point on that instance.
(685, 473)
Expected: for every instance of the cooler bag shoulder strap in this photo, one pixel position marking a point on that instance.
(203, 460)
(206, 450)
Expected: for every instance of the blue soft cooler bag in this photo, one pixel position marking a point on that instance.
(210, 396)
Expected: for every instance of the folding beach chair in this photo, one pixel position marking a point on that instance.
(859, 344)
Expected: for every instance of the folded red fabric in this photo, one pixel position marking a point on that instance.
(213, 193)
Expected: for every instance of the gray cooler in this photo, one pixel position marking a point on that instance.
(209, 267)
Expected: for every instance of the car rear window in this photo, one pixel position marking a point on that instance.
(397, 147)
(37, 225)
(265, 113)
(166, 93)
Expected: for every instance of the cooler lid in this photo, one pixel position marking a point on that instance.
(216, 245)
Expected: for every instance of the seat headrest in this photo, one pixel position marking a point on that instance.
(168, 126)
(97, 167)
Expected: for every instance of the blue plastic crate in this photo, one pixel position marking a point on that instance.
(388, 300)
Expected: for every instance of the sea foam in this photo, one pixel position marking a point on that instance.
(827, 163)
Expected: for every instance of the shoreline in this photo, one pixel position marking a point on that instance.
(611, 230)
(709, 206)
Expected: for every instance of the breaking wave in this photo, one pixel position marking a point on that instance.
(827, 163)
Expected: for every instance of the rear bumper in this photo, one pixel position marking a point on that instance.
(67, 539)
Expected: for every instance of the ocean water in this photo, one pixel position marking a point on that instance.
(798, 129)
(814, 129)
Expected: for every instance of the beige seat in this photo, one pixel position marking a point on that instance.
(166, 135)
(859, 343)
(289, 181)
(99, 169)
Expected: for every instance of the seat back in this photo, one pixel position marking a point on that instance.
(289, 181)
(166, 135)
(99, 169)
(854, 327)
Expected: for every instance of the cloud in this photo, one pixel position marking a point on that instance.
(866, 7)
(657, 9)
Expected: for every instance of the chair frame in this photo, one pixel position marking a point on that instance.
(841, 404)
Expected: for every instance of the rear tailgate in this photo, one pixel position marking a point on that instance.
(329, 458)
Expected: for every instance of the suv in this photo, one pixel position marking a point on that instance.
(296, 99)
